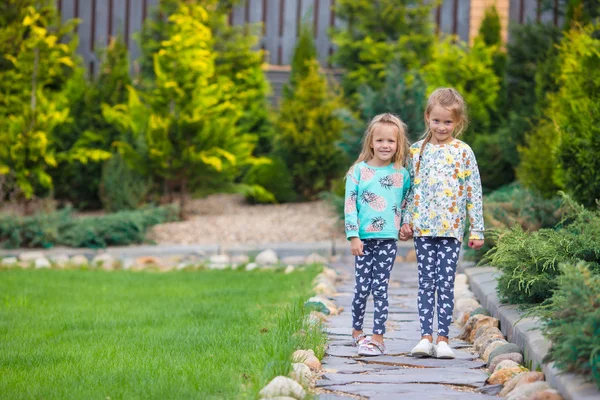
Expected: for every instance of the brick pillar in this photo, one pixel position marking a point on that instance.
(477, 13)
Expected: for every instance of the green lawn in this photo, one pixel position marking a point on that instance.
(126, 335)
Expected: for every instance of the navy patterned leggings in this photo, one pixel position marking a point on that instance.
(372, 275)
(436, 261)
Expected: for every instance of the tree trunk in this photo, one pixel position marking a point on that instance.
(183, 192)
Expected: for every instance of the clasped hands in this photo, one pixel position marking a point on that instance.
(406, 233)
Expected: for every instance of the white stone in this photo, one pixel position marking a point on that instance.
(61, 260)
(315, 258)
(289, 269)
(283, 386)
(301, 373)
(104, 261)
(463, 294)
(267, 257)
(251, 266)
(294, 260)
(240, 259)
(324, 288)
(79, 260)
(218, 266)
(128, 264)
(9, 261)
(330, 273)
(466, 304)
(461, 279)
(42, 263)
(182, 265)
(220, 259)
(31, 255)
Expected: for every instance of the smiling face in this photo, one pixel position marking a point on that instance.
(441, 124)
(384, 144)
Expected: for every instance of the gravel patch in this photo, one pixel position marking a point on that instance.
(228, 219)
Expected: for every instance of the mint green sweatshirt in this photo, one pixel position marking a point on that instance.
(374, 197)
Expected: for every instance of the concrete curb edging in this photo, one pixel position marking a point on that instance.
(525, 333)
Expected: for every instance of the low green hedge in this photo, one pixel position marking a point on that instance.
(514, 205)
(62, 228)
(571, 321)
(530, 260)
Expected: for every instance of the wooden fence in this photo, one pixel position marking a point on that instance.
(280, 19)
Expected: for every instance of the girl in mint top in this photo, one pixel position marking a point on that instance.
(374, 196)
(375, 188)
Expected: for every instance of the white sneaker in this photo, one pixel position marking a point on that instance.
(442, 350)
(423, 349)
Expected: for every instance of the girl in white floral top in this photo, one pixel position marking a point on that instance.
(446, 190)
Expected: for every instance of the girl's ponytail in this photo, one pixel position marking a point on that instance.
(427, 139)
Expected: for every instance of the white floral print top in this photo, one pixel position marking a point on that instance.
(446, 190)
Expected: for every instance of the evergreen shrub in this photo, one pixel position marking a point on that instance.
(62, 228)
(118, 229)
(576, 114)
(122, 188)
(572, 322)
(514, 205)
(308, 130)
(274, 177)
(530, 261)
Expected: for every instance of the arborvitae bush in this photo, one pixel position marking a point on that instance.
(78, 182)
(572, 322)
(494, 169)
(122, 188)
(308, 129)
(529, 77)
(539, 166)
(403, 94)
(470, 71)
(576, 114)
(274, 177)
(377, 32)
(491, 34)
(304, 52)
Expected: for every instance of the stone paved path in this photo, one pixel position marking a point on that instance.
(396, 375)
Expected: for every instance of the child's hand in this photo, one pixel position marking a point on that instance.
(476, 244)
(356, 246)
(406, 232)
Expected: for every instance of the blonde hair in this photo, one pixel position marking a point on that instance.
(367, 153)
(452, 101)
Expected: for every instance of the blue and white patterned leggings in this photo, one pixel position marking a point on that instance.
(436, 261)
(372, 275)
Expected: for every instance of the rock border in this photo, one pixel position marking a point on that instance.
(109, 261)
(524, 331)
(305, 365)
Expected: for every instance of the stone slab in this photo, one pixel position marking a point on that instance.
(420, 362)
(445, 376)
(349, 351)
(408, 392)
(334, 362)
